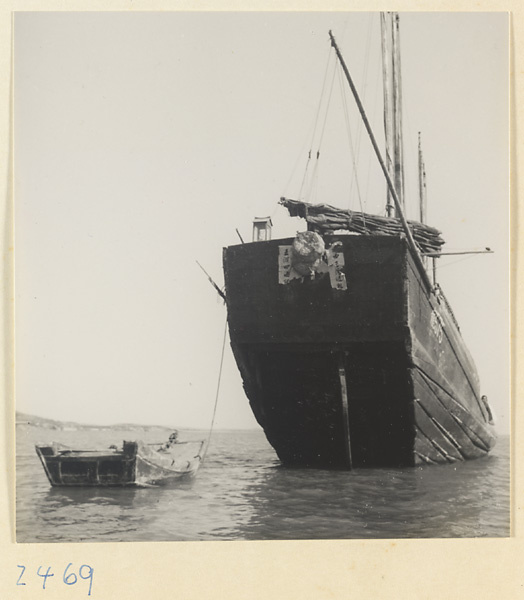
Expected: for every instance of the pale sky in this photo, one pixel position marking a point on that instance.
(143, 140)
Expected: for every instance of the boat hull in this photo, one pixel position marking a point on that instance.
(135, 465)
(370, 372)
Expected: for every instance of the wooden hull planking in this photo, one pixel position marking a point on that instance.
(374, 375)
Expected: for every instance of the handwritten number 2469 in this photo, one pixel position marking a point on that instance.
(69, 577)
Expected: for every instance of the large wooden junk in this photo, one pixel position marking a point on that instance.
(350, 356)
(370, 373)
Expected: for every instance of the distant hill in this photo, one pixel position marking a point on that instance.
(34, 421)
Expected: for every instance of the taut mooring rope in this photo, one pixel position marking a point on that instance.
(217, 394)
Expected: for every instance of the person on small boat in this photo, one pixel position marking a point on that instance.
(173, 439)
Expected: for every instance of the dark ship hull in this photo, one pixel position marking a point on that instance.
(371, 373)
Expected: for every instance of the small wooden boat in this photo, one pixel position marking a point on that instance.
(135, 464)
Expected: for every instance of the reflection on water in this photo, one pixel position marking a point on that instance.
(241, 492)
(447, 501)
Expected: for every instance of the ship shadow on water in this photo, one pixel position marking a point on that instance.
(419, 502)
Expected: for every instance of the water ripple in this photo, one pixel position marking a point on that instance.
(242, 493)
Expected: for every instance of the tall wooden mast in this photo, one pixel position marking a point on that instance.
(422, 184)
(397, 110)
(389, 180)
(388, 120)
(422, 197)
(392, 79)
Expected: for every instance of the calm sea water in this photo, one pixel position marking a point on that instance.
(241, 493)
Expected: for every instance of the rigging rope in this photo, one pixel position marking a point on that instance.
(409, 185)
(371, 158)
(314, 176)
(365, 70)
(327, 110)
(453, 262)
(312, 188)
(330, 53)
(354, 177)
(217, 394)
(315, 179)
(321, 98)
(305, 175)
(299, 158)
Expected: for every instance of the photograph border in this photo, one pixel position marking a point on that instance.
(408, 568)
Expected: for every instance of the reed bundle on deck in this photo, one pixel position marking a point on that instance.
(325, 219)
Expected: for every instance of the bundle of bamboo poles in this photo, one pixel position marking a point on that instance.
(324, 218)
